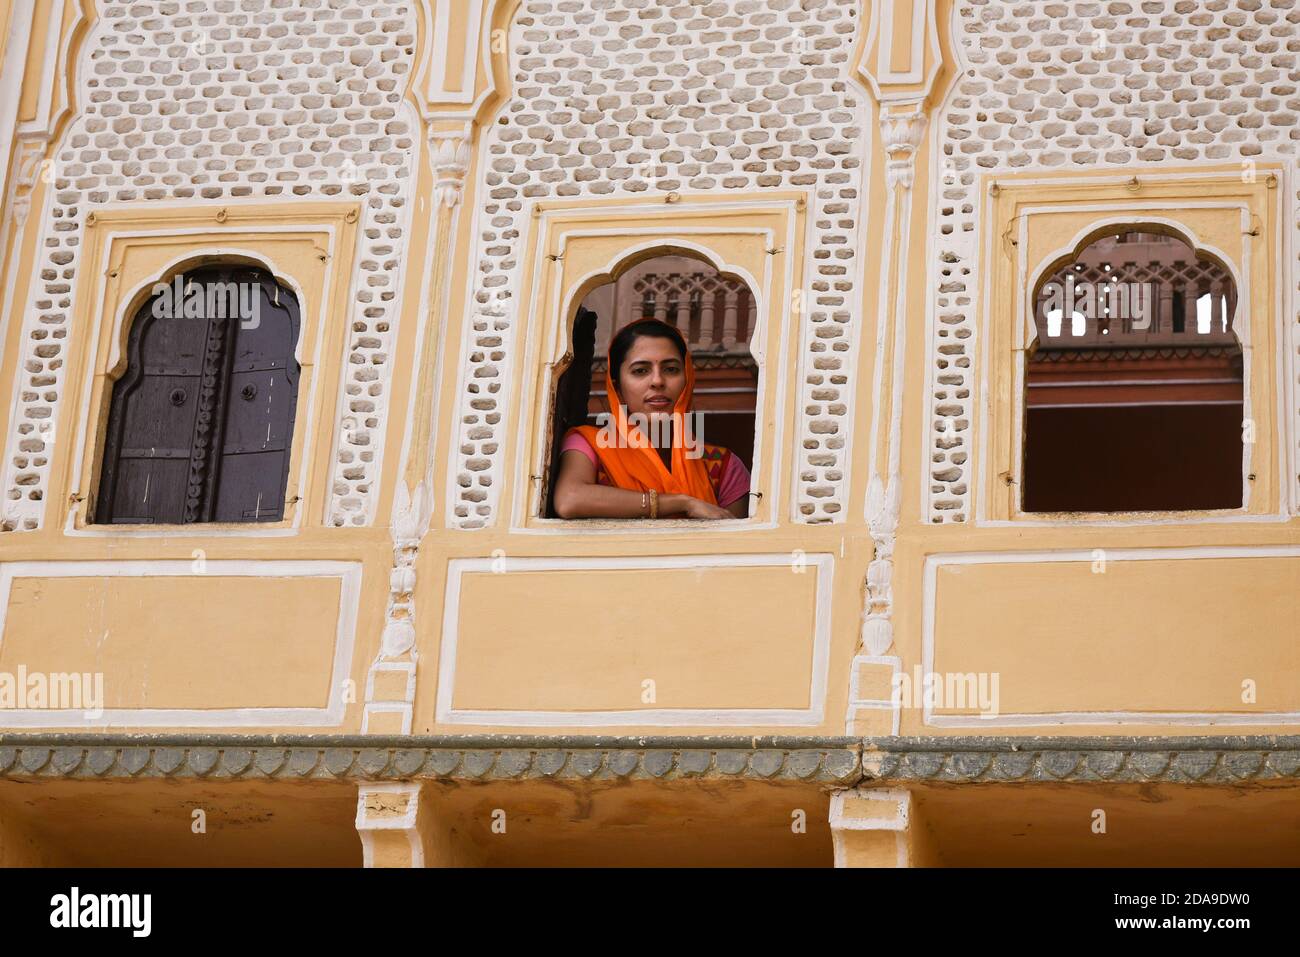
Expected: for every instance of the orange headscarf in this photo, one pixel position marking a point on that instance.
(641, 469)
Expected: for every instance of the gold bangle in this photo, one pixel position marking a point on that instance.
(654, 504)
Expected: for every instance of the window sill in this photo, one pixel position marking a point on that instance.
(283, 527)
(1144, 517)
(639, 524)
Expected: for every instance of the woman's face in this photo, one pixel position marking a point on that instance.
(652, 376)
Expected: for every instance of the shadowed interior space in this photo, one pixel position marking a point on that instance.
(1146, 825)
(495, 824)
(693, 823)
(1133, 459)
(150, 823)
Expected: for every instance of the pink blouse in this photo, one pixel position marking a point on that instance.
(732, 485)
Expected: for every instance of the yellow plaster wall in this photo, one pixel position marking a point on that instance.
(579, 644)
(588, 639)
(200, 641)
(1146, 636)
(210, 641)
(23, 844)
(580, 641)
(702, 660)
(1154, 636)
(1146, 825)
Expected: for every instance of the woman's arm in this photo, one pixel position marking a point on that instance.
(735, 486)
(578, 495)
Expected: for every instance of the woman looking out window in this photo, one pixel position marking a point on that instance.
(649, 460)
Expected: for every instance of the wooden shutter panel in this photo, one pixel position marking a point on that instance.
(201, 424)
(151, 421)
(572, 396)
(260, 405)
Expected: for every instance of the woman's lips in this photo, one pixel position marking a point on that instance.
(658, 402)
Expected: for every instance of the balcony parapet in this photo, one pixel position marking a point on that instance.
(827, 762)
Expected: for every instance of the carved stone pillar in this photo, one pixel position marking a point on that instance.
(879, 827)
(400, 826)
(390, 684)
(1164, 313)
(900, 62)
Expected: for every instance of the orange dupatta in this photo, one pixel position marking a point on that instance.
(641, 469)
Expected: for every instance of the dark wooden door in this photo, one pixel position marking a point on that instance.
(200, 425)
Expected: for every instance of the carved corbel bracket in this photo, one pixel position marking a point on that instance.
(901, 135)
(450, 155)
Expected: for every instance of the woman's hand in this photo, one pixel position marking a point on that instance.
(578, 495)
(698, 508)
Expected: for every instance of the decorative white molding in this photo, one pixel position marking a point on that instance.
(431, 81)
(901, 135)
(409, 523)
(885, 73)
(914, 84)
(33, 135)
(882, 520)
(451, 160)
(397, 651)
(12, 68)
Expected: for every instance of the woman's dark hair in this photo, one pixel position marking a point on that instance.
(621, 344)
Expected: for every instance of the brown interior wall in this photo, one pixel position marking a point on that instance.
(1133, 458)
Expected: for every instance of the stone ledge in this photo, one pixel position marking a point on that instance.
(1223, 760)
(832, 762)
(490, 758)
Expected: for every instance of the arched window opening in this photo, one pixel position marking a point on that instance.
(200, 425)
(1134, 387)
(715, 315)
